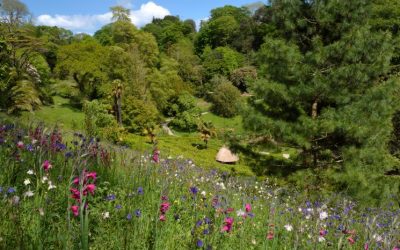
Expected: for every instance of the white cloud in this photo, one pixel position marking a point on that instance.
(146, 13)
(89, 23)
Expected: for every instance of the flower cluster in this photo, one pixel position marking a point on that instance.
(84, 185)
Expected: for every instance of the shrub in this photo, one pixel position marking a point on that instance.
(184, 109)
(138, 115)
(224, 100)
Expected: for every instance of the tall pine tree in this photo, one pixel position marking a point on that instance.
(323, 94)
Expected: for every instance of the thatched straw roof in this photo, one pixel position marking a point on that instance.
(226, 156)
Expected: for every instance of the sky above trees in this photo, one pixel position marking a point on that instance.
(89, 15)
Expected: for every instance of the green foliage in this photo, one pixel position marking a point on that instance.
(24, 97)
(321, 79)
(225, 99)
(241, 77)
(185, 112)
(100, 123)
(83, 61)
(222, 61)
(138, 115)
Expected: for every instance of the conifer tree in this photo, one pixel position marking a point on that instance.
(322, 92)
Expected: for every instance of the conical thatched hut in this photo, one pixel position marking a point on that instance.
(226, 156)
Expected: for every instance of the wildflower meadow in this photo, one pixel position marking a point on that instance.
(79, 194)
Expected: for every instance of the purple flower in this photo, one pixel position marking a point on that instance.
(199, 243)
(118, 207)
(129, 217)
(140, 191)
(206, 231)
(194, 190)
(199, 223)
(138, 213)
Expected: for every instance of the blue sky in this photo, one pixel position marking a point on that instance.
(89, 15)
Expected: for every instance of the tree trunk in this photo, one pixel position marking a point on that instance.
(314, 114)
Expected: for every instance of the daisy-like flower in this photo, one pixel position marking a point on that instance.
(288, 227)
(30, 172)
(323, 215)
(27, 182)
(203, 193)
(44, 179)
(51, 186)
(106, 215)
(28, 193)
(241, 213)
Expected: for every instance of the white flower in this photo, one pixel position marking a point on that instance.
(323, 215)
(30, 172)
(27, 182)
(106, 215)
(240, 213)
(28, 193)
(308, 217)
(51, 186)
(377, 237)
(288, 227)
(44, 179)
(286, 156)
(41, 211)
(34, 141)
(321, 239)
(203, 193)
(254, 242)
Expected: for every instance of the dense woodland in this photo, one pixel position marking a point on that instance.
(318, 77)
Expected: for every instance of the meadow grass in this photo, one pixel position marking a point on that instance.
(125, 200)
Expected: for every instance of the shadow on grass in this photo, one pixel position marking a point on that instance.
(199, 146)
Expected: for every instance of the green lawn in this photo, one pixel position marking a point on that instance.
(61, 114)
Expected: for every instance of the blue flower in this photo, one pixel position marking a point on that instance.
(118, 206)
(68, 154)
(138, 213)
(129, 217)
(207, 220)
(140, 191)
(11, 190)
(206, 231)
(199, 243)
(110, 197)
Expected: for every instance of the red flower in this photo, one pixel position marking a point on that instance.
(162, 217)
(92, 175)
(164, 207)
(351, 240)
(75, 210)
(227, 224)
(75, 194)
(46, 165)
(270, 235)
(90, 188)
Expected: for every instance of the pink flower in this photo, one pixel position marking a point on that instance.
(20, 145)
(156, 155)
(75, 210)
(92, 175)
(351, 240)
(162, 217)
(75, 194)
(46, 165)
(396, 248)
(227, 224)
(323, 232)
(270, 235)
(76, 181)
(248, 208)
(90, 188)
(366, 246)
(164, 207)
(229, 210)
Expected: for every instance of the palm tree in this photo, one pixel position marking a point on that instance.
(207, 130)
